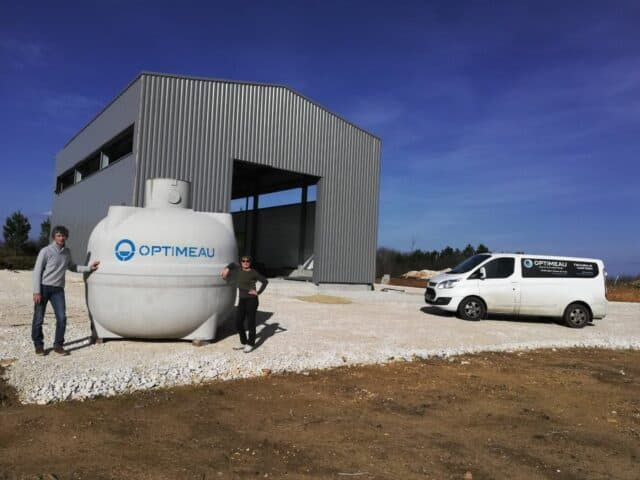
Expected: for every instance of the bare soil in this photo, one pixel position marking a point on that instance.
(565, 414)
(623, 293)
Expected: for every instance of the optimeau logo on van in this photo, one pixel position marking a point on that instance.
(125, 250)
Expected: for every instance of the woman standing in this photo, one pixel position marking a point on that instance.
(248, 298)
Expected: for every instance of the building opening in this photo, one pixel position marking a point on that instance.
(273, 216)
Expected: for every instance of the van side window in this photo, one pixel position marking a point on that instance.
(500, 267)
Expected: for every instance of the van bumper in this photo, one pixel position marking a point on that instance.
(449, 304)
(440, 301)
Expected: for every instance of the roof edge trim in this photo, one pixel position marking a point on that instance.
(260, 84)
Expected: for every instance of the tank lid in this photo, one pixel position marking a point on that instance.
(167, 193)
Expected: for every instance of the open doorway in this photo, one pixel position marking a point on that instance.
(273, 215)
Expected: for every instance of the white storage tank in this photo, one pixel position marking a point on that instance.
(159, 274)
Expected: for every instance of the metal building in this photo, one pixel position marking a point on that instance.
(230, 140)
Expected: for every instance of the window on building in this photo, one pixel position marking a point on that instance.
(88, 167)
(65, 180)
(116, 149)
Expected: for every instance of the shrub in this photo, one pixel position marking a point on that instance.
(17, 262)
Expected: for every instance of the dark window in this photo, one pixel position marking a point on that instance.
(65, 180)
(500, 267)
(120, 147)
(89, 166)
(469, 264)
(117, 148)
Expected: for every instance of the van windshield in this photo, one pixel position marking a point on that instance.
(470, 263)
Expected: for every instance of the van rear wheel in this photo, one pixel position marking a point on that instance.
(472, 308)
(577, 315)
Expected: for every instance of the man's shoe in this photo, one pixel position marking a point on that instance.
(248, 348)
(60, 350)
(39, 350)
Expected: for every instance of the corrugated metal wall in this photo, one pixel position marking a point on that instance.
(193, 129)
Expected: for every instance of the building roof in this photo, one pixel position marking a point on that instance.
(217, 80)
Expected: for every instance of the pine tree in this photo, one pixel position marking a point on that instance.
(45, 231)
(16, 231)
(482, 249)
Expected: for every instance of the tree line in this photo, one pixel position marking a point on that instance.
(395, 263)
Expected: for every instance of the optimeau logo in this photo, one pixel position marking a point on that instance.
(125, 250)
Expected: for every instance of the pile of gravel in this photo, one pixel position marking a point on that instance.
(294, 336)
(103, 370)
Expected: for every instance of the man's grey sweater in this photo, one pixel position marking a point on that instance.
(51, 266)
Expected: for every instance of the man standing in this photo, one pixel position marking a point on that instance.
(48, 285)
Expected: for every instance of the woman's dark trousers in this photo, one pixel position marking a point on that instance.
(247, 307)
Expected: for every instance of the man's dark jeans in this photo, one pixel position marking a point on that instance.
(55, 295)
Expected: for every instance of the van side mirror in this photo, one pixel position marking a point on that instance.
(481, 273)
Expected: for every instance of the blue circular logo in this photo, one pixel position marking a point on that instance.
(125, 249)
(528, 263)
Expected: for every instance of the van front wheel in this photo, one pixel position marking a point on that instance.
(472, 308)
(577, 315)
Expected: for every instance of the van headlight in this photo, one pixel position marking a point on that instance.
(448, 284)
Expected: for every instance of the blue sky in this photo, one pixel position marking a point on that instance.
(514, 124)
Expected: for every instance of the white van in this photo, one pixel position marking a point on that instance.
(517, 284)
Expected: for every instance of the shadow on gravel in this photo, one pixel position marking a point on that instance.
(436, 311)
(79, 343)
(501, 318)
(228, 328)
(530, 319)
(521, 319)
(269, 330)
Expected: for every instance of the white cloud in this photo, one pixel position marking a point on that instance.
(70, 105)
(21, 54)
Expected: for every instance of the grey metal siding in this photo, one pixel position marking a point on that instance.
(193, 129)
(82, 206)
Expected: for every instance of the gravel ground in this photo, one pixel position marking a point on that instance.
(293, 335)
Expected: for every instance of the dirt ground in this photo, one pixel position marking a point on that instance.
(623, 293)
(563, 414)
